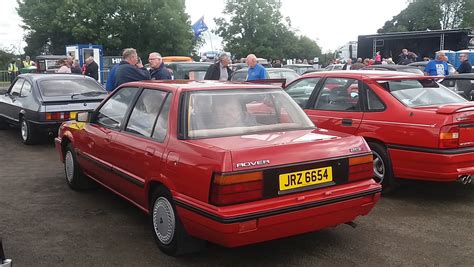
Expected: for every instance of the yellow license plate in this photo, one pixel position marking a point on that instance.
(72, 115)
(305, 178)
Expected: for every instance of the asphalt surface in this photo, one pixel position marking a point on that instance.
(44, 223)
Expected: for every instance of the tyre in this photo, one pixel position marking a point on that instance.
(383, 173)
(167, 228)
(29, 135)
(74, 176)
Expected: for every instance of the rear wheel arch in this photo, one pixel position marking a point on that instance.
(383, 169)
(64, 143)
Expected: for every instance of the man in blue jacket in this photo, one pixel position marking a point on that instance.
(158, 69)
(129, 69)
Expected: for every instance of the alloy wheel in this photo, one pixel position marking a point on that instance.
(379, 167)
(164, 221)
(69, 165)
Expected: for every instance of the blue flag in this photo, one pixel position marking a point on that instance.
(199, 27)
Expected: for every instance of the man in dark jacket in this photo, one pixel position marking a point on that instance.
(158, 69)
(220, 70)
(465, 66)
(92, 69)
(129, 70)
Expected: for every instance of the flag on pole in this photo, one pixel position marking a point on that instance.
(199, 27)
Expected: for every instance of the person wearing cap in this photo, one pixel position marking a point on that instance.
(220, 70)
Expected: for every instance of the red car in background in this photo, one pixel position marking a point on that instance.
(206, 162)
(417, 128)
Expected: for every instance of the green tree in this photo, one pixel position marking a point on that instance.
(257, 26)
(468, 14)
(152, 25)
(418, 16)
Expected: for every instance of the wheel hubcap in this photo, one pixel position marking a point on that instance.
(69, 165)
(24, 130)
(379, 167)
(163, 220)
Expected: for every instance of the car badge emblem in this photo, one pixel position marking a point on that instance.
(355, 149)
(85, 104)
(253, 163)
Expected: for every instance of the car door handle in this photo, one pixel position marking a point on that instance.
(149, 151)
(347, 122)
(107, 139)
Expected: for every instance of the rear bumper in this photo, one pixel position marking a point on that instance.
(432, 165)
(243, 229)
(47, 127)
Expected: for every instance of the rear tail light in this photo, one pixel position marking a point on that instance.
(449, 137)
(361, 168)
(57, 116)
(236, 188)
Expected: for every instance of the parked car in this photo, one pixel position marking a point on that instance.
(332, 67)
(237, 66)
(273, 73)
(300, 68)
(393, 67)
(233, 164)
(463, 84)
(188, 70)
(416, 128)
(422, 65)
(39, 103)
(170, 59)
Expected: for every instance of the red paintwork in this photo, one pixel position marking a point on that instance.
(401, 125)
(186, 168)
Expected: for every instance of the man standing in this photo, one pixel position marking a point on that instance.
(437, 67)
(348, 65)
(256, 71)
(92, 69)
(465, 66)
(129, 70)
(27, 63)
(406, 57)
(220, 70)
(12, 70)
(158, 70)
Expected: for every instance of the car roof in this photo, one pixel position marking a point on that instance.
(422, 63)
(364, 74)
(189, 63)
(268, 70)
(466, 76)
(189, 85)
(391, 66)
(299, 65)
(53, 76)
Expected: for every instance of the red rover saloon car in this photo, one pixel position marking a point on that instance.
(416, 128)
(206, 162)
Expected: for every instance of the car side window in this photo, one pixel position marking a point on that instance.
(339, 94)
(112, 113)
(161, 126)
(302, 90)
(145, 112)
(16, 89)
(373, 101)
(26, 89)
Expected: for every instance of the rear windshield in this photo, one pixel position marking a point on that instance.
(235, 112)
(70, 88)
(417, 93)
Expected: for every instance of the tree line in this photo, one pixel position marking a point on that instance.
(250, 26)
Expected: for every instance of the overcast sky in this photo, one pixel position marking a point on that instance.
(331, 23)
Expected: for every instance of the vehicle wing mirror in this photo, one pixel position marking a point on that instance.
(83, 117)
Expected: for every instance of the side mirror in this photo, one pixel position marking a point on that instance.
(82, 117)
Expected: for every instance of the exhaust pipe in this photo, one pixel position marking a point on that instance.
(465, 179)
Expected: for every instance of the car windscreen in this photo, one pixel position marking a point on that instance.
(59, 88)
(218, 113)
(191, 72)
(417, 93)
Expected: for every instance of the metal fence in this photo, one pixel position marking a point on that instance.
(4, 77)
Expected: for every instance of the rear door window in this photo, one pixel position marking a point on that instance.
(339, 94)
(301, 90)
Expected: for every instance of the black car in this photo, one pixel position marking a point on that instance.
(39, 103)
(300, 68)
(463, 84)
(393, 67)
